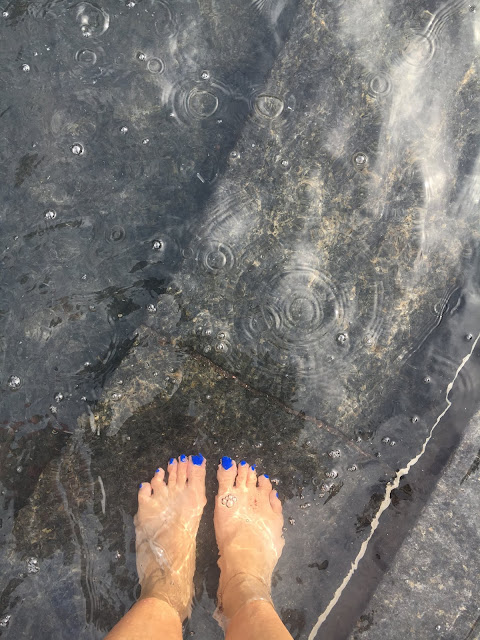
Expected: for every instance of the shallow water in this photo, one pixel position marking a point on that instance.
(247, 230)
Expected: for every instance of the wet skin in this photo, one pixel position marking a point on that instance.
(248, 525)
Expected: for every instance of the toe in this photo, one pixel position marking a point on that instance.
(144, 492)
(157, 481)
(242, 472)
(182, 471)
(251, 477)
(275, 501)
(264, 483)
(196, 471)
(227, 470)
(172, 472)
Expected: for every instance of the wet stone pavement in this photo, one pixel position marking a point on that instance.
(248, 230)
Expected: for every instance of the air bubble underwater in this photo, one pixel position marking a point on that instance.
(360, 159)
(14, 383)
(50, 214)
(77, 149)
(4, 620)
(342, 338)
(334, 453)
(32, 565)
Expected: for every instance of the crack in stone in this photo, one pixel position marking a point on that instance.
(299, 414)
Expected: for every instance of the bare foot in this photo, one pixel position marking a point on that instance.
(248, 525)
(166, 526)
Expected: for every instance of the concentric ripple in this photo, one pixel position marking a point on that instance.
(214, 256)
(196, 99)
(269, 107)
(295, 307)
(272, 109)
(93, 20)
(379, 84)
(165, 23)
(419, 50)
(201, 103)
(232, 219)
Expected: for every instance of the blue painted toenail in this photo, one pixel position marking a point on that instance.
(253, 467)
(243, 463)
(183, 458)
(140, 485)
(157, 471)
(276, 494)
(265, 475)
(226, 462)
(197, 459)
(171, 461)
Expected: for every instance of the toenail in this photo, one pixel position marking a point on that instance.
(183, 458)
(226, 462)
(253, 467)
(265, 475)
(276, 494)
(140, 485)
(157, 471)
(197, 459)
(171, 461)
(243, 463)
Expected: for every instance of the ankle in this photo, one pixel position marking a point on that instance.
(168, 592)
(239, 590)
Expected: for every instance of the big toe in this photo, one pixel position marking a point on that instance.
(144, 493)
(227, 470)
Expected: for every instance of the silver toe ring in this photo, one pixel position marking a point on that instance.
(229, 500)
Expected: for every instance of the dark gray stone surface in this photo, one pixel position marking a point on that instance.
(432, 589)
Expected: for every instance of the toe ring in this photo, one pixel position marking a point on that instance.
(229, 500)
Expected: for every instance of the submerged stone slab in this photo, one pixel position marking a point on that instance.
(432, 590)
(84, 500)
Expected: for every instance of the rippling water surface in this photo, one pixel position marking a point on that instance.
(250, 229)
